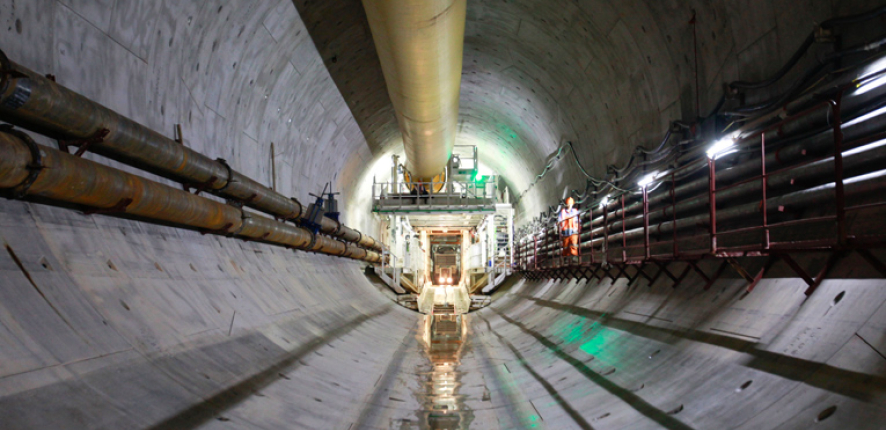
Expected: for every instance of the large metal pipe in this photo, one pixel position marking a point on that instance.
(806, 149)
(31, 101)
(858, 186)
(863, 185)
(420, 45)
(58, 177)
(855, 162)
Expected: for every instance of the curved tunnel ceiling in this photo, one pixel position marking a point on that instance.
(608, 76)
(113, 323)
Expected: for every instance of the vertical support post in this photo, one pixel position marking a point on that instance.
(712, 199)
(838, 171)
(178, 136)
(510, 227)
(605, 233)
(559, 238)
(676, 253)
(765, 179)
(624, 236)
(646, 223)
(591, 236)
(273, 168)
(578, 242)
(396, 272)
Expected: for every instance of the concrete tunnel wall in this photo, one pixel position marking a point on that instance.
(110, 323)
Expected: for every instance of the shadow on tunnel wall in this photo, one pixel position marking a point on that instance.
(343, 39)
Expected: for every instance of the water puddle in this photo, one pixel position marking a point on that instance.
(444, 340)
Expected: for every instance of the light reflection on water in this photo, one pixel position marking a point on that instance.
(444, 340)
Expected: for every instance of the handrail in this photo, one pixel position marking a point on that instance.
(452, 193)
(609, 235)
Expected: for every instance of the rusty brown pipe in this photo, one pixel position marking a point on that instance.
(64, 178)
(32, 101)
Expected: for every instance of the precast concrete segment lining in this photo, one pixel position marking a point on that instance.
(607, 75)
(150, 321)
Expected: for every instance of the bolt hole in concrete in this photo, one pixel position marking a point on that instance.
(125, 306)
(825, 414)
(112, 266)
(654, 354)
(192, 267)
(45, 264)
(743, 386)
(157, 266)
(676, 410)
(838, 298)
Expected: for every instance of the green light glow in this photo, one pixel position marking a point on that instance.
(592, 339)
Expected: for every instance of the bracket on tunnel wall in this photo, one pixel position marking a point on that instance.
(83, 144)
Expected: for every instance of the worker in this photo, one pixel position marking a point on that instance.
(568, 221)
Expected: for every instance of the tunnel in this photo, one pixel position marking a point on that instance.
(116, 314)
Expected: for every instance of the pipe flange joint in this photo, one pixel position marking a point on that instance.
(295, 217)
(313, 242)
(243, 217)
(338, 227)
(224, 162)
(34, 167)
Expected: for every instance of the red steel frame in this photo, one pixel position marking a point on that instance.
(838, 246)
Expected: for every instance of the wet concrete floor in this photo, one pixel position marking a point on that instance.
(444, 340)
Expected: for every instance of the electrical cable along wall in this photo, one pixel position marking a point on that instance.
(805, 178)
(682, 136)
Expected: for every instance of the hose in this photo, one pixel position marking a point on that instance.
(807, 43)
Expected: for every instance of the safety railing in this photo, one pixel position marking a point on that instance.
(394, 196)
(619, 233)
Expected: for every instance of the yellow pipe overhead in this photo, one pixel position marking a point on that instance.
(420, 45)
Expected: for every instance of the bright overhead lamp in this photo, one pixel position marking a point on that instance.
(646, 180)
(721, 147)
(605, 201)
(449, 280)
(877, 67)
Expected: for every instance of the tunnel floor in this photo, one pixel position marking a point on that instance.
(216, 334)
(564, 355)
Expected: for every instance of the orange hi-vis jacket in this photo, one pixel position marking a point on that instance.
(568, 219)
